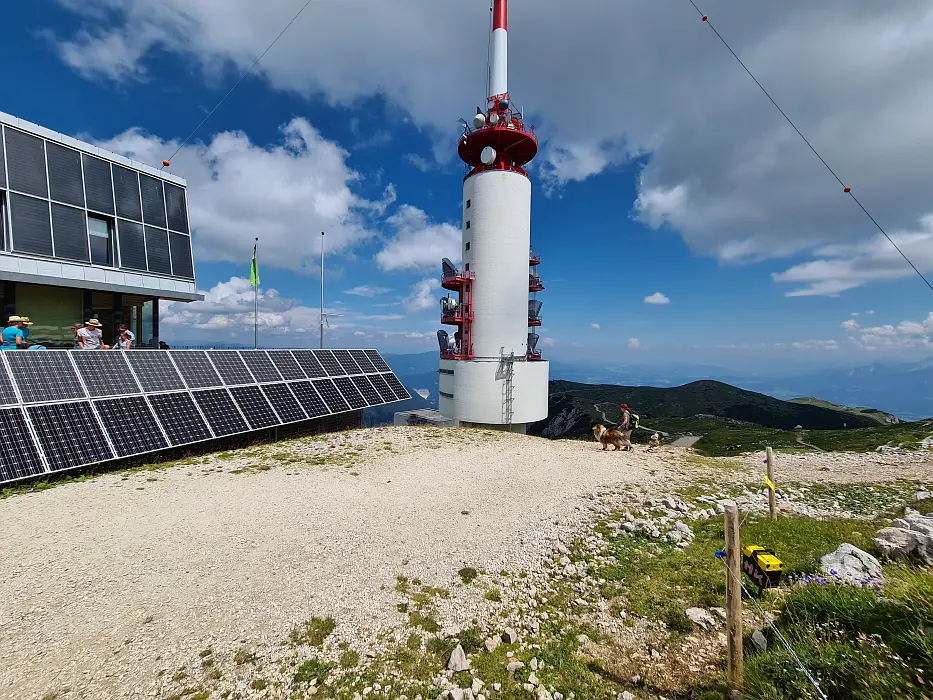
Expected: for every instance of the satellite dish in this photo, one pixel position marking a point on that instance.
(503, 105)
(488, 155)
(493, 118)
(479, 121)
(443, 340)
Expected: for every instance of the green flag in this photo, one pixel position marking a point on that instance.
(254, 270)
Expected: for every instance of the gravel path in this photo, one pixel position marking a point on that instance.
(109, 581)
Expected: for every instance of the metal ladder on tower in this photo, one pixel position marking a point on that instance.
(506, 372)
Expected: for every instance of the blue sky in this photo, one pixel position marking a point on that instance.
(665, 178)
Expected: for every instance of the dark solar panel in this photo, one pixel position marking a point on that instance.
(45, 376)
(69, 434)
(231, 368)
(195, 368)
(335, 402)
(309, 399)
(154, 370)
(261, 366)
(180, 418)
(284, 402)
(7, 395)
(220, 411)
(286, 364)
(105, 373)
(377, 360)
(364, 362)
(130, 424)
(309, 363)
(347, 362)
(329, 363)
(400, 391)
(366, 389)
(350, 392)
(253, 404)
(19, 456)
(385, 391)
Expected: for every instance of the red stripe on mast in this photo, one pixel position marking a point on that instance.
(500, 15)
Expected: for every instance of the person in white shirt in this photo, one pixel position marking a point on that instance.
(89, 337)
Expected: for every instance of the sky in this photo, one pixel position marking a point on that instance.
(678, 217)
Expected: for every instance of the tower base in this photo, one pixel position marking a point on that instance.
(485, 393)
(517, 428)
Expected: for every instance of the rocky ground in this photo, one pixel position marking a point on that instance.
(354, 564)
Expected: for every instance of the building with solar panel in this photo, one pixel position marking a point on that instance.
(88, 233)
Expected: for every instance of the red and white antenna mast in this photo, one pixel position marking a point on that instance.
(499, 81)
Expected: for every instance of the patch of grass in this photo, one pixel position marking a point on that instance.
(313, 632)
(493, 595)
(206, 653)
(402, 607)
(662, 587)
(860, 644)
(243, 657)
(424, 621)
(467, 574)
(349, 659)
(259, 684)
(924, 507)
(413, 642)
(313, 669)
(179, 676)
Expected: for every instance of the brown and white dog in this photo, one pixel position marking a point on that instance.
(608, 437)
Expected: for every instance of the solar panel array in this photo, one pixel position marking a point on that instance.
(61, 409)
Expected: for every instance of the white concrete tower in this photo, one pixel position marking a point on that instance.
(491, 371)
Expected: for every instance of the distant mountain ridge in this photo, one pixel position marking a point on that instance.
(575, 407)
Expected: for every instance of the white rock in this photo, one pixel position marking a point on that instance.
(533, 679)
(513, 666)
(625, 695)
(701, 618)
(850, 563)
(458, 660)
(509, 636)
(759, 640)
(477, 686)
(491, 644)
(497, 687)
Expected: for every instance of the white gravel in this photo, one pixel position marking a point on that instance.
(111, 585)
(104, 585)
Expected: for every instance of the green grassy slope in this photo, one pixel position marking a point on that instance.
(700, 398)
(880, 417)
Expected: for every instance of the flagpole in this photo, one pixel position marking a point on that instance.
(256, 297)
(322, 290)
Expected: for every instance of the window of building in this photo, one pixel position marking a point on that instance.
(467, 245)
(100, 234)
(467, 267)
(445, 394)
(2, 220)
(469, 203)
(468, 225)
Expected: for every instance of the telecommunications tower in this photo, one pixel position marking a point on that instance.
(491, 371)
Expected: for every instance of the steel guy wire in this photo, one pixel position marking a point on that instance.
(846, 189)
(237, 84)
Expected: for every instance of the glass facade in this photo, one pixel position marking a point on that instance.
(59, 202)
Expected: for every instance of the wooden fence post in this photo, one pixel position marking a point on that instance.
(772, 504)
(734, 631)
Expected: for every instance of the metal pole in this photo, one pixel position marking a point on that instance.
(322, 290)
(256, 302)
(734, 601)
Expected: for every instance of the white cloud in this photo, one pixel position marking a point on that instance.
(869, 313)
(846, 266)
(285, 194)
(226, 316)
(720, 164)
(850, 325)
(367, 290)
(422, 295)
(595, 325)
(815, 345)
(417, 243)
(905, 335)
(635, 344)
(548, 342)
(657, 298)
(420, 162)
